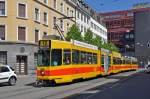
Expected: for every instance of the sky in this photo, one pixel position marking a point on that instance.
(112, 5)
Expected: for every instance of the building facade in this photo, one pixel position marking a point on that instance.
(98, 29)
(120, 25)
(23, 23)
(87, 18)
(142, 40)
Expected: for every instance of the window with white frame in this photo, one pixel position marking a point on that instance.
(2, 32)
(55, 4)
(78, 14)
(62, 8)
(46, 18)
(21, 33)
(36, 35)
(67, 11)
(84, 19)
(44, 33)
(37, 14)
(54, 20)
(68, 25)
(81, 17)
(2, 8)
(71, 12)
(22, 10)
(46, 1)
(81, 28)
(61, 25)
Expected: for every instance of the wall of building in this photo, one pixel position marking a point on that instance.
(11, 20)
(14, 49)
(33, 21)
(120, 25)
(98, 29)
(142, 34)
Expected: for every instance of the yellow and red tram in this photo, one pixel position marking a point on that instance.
(62, 61)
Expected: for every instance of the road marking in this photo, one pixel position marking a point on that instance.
(114, 85)
(90, 92)
(83, 84)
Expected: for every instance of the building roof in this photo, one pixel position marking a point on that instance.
(125, 11)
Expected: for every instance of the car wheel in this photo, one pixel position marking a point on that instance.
(12, 81)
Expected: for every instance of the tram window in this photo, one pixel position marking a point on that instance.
(109, 61)
(94, 58)
(120, 61)
(75, 56)
(56, 57)
(44, 57)
(126, 61)
(89, 58)
(123, 61)
(114, 61)
(83, 57)
(67, 57)
(134, 62)
(102, 60)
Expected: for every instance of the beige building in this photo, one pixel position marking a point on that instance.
(23, 23)
(29, 20)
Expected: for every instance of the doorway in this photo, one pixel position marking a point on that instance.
(21, 65)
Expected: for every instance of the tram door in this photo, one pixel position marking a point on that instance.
(21, 65)
(106, 64)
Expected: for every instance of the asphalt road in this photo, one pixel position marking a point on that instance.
(136, 86)
(24, 88)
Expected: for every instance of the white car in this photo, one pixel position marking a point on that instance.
(148, 69)
(7, 75)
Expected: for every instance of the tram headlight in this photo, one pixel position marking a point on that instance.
(42, 73)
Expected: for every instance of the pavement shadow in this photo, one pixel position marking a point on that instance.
(33, 84)
(4, 84)
(116, 77)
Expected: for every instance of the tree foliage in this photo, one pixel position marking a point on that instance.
(74, 33)
(88, 37)
(97, 41)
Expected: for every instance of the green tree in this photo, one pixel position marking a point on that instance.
(105, 45)
(114, 47)
(74, 33)
(97, 41)
(88, 37)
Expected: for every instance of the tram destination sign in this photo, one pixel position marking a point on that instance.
(44, 43)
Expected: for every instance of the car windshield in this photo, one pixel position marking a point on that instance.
(4, 69)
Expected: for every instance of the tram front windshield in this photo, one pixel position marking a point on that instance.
(44, 57)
